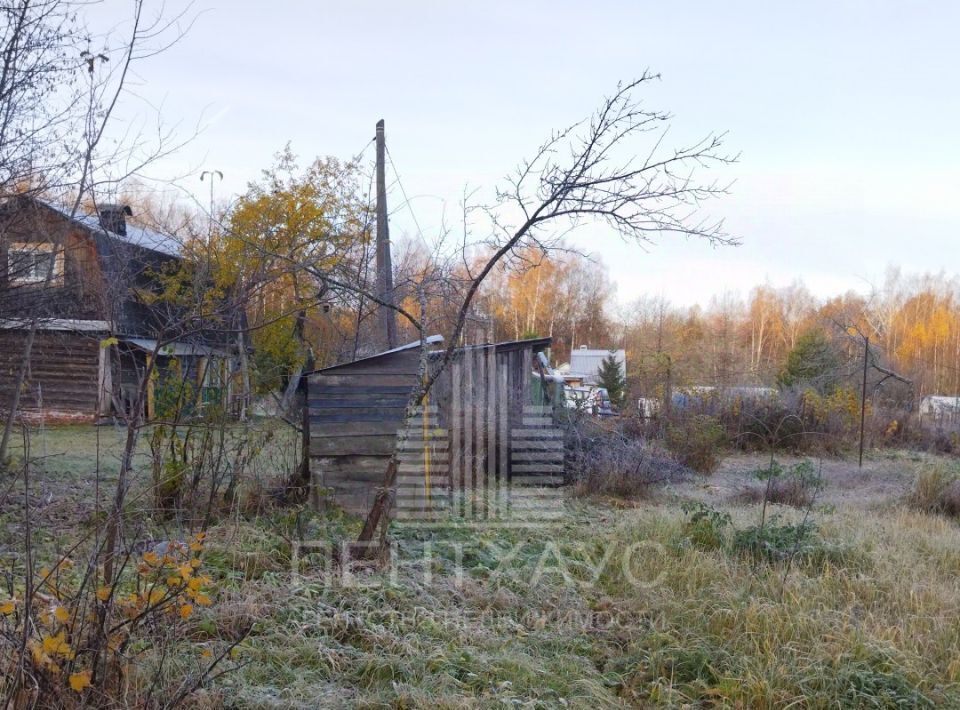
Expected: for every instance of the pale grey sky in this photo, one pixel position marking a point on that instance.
(846, 114)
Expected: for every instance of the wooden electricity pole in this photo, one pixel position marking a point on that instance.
(386, 316)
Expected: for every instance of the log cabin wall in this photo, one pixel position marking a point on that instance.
(63, 379)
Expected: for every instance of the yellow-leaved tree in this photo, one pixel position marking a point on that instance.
(288, 224)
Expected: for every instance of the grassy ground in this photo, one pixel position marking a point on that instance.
(617, 605)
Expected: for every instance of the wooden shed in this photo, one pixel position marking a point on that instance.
(459, 448)
(355, 411)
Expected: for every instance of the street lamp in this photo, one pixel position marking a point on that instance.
(213, 175)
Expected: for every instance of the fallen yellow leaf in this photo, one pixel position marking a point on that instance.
(79, 681)
(58, 645)
(62, 615)
(7, 607)
(185, 611)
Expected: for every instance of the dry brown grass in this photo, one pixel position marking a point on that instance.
(937, 489)
(790, 491)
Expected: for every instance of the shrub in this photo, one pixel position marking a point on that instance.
(795, 485)
(75, 642)
(705, 526)
(775, 542)
(197, 464)
(874, 680)
(937, 490)
(604, 460)
(696, 441)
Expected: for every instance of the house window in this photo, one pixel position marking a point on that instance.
(30, 263)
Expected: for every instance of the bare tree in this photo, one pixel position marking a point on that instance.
(593, 171)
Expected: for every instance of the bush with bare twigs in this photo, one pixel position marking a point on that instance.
(605, 459)
(71, 640)
(697, 441)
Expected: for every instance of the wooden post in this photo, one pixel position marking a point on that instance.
(490, 467)
(863, 393)
(456, 438)
(386, 316)
(503, 393)
(480, 447)
(105, 377)
(468, 409)
(150, 388)
(203, 363)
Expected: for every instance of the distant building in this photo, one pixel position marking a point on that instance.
(584, 365)
(707, 397)
(940, 407)
(90, 283)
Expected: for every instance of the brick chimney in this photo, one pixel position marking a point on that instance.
(113, 218)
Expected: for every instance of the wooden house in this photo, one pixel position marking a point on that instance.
(458, 450)
(88, 282)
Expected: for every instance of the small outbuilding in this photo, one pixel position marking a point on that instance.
(460, 449)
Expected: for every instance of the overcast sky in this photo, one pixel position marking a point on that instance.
(846, 115)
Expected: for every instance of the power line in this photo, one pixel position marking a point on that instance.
(404, 193)
(359, 156)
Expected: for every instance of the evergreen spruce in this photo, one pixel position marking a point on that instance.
(613, 379)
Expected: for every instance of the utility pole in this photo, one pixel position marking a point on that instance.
(386, 316)
(863, 392)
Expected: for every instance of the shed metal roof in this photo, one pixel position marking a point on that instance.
(430, 340)
(175, 349)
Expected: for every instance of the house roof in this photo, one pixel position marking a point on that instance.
(175, 348)
(585, 361)
(136, 235)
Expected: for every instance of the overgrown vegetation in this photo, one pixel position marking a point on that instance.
(697, 441)
(937, 489)
(713, 606)
(796, 485)
(608, 459)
